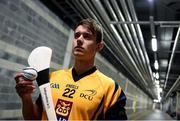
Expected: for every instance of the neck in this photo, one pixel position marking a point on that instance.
(83, 66)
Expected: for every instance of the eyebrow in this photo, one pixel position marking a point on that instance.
(84, 32)
(89, 33)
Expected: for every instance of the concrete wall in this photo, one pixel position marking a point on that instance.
(25, 24)
(169, 106)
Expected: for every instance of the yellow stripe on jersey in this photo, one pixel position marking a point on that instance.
(89, 96)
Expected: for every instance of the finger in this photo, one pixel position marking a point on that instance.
(18, 76)
(25, 89)
(22, 93)
(24, 82)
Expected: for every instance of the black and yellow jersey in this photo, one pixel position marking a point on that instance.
(89, 96)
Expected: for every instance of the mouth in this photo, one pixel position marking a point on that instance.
(77, 48)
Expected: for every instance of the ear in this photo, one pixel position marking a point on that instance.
(100, 46)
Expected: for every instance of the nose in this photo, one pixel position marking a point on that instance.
(80, 40)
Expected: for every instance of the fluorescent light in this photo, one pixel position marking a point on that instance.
(155, 100)
(154, 74)
(157, 86)
(157, 82)
(154, 44)
(157, 75)
(160, 89)
(164, 62)
(150, 1)
(156, 65)
(162, 81)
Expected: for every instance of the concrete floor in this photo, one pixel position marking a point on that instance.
(152, 115)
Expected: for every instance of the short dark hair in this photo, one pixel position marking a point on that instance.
(94, 26)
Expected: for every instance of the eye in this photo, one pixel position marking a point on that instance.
(77, 35)
(87, 36)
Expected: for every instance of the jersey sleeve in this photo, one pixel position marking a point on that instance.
(116, 109)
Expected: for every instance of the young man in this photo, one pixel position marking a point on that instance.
(83, 92)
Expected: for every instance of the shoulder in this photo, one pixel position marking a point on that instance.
(107, 82)
(110, 85)
(60, 72)
(104, 78)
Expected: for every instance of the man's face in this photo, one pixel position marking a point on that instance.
(84, 43)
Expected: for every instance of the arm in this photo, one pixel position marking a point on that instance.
(24, 89)
(30, 110)
(116, 109)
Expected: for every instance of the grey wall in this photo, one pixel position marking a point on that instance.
(24, 25)
(169, 106)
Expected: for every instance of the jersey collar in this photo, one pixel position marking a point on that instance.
(77, 77)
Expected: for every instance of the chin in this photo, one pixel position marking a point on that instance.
(78, 55)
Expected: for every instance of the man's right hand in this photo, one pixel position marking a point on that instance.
(23, 87)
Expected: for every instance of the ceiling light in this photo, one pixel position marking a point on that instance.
(150, 1)
(154, 44)
(154, 74)
(155, 100)
(164, 62)
(160, 89)
(156, 65)
(162, 81)
(157, 75)
(157, 85)
(157, 82)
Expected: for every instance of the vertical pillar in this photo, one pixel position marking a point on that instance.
(126, 85)
(135, 103)
(161, 106)
(178, 105)
(67, 57)
(154, 106)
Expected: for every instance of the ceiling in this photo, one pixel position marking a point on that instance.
(129, 26)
